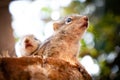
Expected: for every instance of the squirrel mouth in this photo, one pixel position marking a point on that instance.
(85, 24)
(28, 45)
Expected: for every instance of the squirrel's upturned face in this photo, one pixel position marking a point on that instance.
(73, 21)
(30, 43)
(81, 21)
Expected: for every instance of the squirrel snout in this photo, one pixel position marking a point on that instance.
(85, 18)
(26, 41)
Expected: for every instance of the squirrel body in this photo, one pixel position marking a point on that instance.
(64, 43)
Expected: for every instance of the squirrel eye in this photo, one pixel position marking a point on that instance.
(35, 39)
(68, 20)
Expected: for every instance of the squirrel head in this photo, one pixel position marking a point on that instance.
(71, 20)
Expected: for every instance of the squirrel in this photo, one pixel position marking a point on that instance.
(64, 43)
(27, 45)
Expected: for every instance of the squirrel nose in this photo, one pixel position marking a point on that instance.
(85, 18)
(26, 41)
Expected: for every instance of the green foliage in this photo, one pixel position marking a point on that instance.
(74, 8)
(46, 9)
(105, 70)
(106, 33)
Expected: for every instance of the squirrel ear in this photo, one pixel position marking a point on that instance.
(55, 26)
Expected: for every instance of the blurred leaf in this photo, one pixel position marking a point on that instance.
(105, 30)
(47, 9)
(74, 8)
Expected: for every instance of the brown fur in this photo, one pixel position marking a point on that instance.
(36, 68)
(64, 44)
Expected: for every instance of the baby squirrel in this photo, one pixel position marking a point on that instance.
(64, 43)
(27, 45)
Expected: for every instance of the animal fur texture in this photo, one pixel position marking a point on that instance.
(64, 43)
